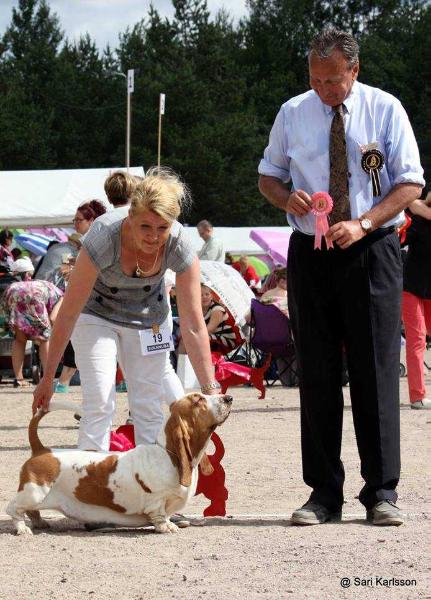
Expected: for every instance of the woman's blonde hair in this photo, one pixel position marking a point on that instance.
(162, 192)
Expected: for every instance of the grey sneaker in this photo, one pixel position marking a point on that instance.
(385, 512)
(313, 514)
(179, 520)
(425, 403)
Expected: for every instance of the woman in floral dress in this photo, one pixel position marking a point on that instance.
(30, 308)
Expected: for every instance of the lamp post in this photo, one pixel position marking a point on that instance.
(130, 79)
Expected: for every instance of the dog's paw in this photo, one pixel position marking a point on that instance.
(22, 529)
(166, 527)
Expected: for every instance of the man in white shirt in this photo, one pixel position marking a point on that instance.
(355, 142)
(212, 248)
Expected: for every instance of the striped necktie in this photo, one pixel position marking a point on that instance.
(338, 175)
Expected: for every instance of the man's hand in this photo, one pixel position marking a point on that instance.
(345, 233)
(299, 203)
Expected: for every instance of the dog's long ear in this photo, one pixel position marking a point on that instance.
(206, 466)
(178, 447)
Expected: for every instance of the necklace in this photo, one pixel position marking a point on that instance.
(138, 271)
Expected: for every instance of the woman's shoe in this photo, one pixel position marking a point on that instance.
(121, 387)
(61, 388)
(21, 383)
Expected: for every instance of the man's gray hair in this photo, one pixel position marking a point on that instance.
(204, 224)
(330, 39)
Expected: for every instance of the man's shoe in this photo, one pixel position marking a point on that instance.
(313, 514)
(179, 520)
(385, 512)
(425, 403)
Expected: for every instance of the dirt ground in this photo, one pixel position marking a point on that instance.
(252, 553)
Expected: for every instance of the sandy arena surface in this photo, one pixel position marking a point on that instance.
(254, 552)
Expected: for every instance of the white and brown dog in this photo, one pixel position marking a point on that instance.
(144, 486)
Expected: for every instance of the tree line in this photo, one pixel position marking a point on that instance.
(63, 106)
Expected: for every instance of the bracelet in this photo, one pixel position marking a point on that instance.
(208, 387)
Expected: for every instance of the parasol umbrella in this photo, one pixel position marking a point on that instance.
(230, 287)
(259, 266)
(33, 242)
(57, 233)
(275, 243)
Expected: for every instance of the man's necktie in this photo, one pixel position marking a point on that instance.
(338, 174)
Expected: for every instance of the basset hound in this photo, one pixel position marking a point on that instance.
(143, 486)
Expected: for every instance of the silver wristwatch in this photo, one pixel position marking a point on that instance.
(366, 224)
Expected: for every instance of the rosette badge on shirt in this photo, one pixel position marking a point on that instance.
(322, 206)
(372, 163)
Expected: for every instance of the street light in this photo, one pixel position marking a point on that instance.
(130, 79)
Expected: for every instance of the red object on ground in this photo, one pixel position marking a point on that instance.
(119, 377)
(123, 439)
(211, 486)
(229, 373)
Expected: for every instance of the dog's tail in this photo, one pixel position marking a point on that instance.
(35, 444)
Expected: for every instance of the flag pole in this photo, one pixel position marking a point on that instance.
(161, 112)
(130, 90)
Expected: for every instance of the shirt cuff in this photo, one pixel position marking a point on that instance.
(266, 168)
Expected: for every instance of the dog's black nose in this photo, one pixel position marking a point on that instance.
(228, 399)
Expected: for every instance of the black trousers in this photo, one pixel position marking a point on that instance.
(348, 300)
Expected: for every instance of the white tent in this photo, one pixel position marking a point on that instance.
(49, 198)
(236, 240)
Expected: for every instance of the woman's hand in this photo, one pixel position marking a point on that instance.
(42, 394)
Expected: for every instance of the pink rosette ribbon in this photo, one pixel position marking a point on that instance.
(322, 206)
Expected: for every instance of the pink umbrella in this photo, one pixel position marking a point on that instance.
(275, 243)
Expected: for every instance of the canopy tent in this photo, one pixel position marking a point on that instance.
(275, 243)
(50, 198)
(236, 240)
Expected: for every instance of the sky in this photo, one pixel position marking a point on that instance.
(105, 19)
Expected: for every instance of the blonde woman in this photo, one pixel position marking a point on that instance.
(117, 307)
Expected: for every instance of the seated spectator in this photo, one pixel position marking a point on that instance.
(228, 259)
(16, 253)
(278, 294)
(224, 334)
(30, 308)
(247, 271)
(6, 256)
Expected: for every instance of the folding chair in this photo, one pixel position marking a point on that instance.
(270, 333)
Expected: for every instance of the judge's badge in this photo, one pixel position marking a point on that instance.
(372, 162)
